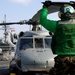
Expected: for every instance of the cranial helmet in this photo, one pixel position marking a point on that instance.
(66, 11)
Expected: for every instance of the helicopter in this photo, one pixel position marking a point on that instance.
(33, 48)
(10, 36)
(7, 41)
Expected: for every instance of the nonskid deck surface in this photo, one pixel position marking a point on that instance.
(4, 67)
(4, 70)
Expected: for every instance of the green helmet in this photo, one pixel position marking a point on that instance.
(66, 11)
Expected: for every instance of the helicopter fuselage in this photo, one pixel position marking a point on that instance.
(34, 52)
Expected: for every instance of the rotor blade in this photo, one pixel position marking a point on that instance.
(21, 22)
(55, 6)
(9, 23)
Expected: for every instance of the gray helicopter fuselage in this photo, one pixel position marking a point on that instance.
(34, 56)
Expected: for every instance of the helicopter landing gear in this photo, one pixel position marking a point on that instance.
(12, 70)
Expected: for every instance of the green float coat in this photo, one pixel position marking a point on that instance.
(64, 34)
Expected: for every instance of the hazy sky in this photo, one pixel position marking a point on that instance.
(17, 10)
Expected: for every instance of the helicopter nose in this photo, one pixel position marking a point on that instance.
(35, 58)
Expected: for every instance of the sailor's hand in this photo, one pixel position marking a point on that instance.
(46, 4)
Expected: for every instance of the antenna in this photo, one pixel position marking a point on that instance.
(5, 28)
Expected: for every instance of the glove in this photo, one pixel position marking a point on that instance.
(46, 4)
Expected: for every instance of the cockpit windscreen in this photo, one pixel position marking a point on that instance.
(26, 43)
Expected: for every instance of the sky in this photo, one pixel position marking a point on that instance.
(17, 10)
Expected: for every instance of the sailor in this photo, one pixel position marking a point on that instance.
(63, 40)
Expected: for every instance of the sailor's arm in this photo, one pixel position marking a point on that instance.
(46, 23)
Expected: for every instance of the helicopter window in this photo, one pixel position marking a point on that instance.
(26, 43)
(38, 43)
(47, 42)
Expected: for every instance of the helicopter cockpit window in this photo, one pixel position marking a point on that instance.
(47, 42)
(26, 43)
(38, 43)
